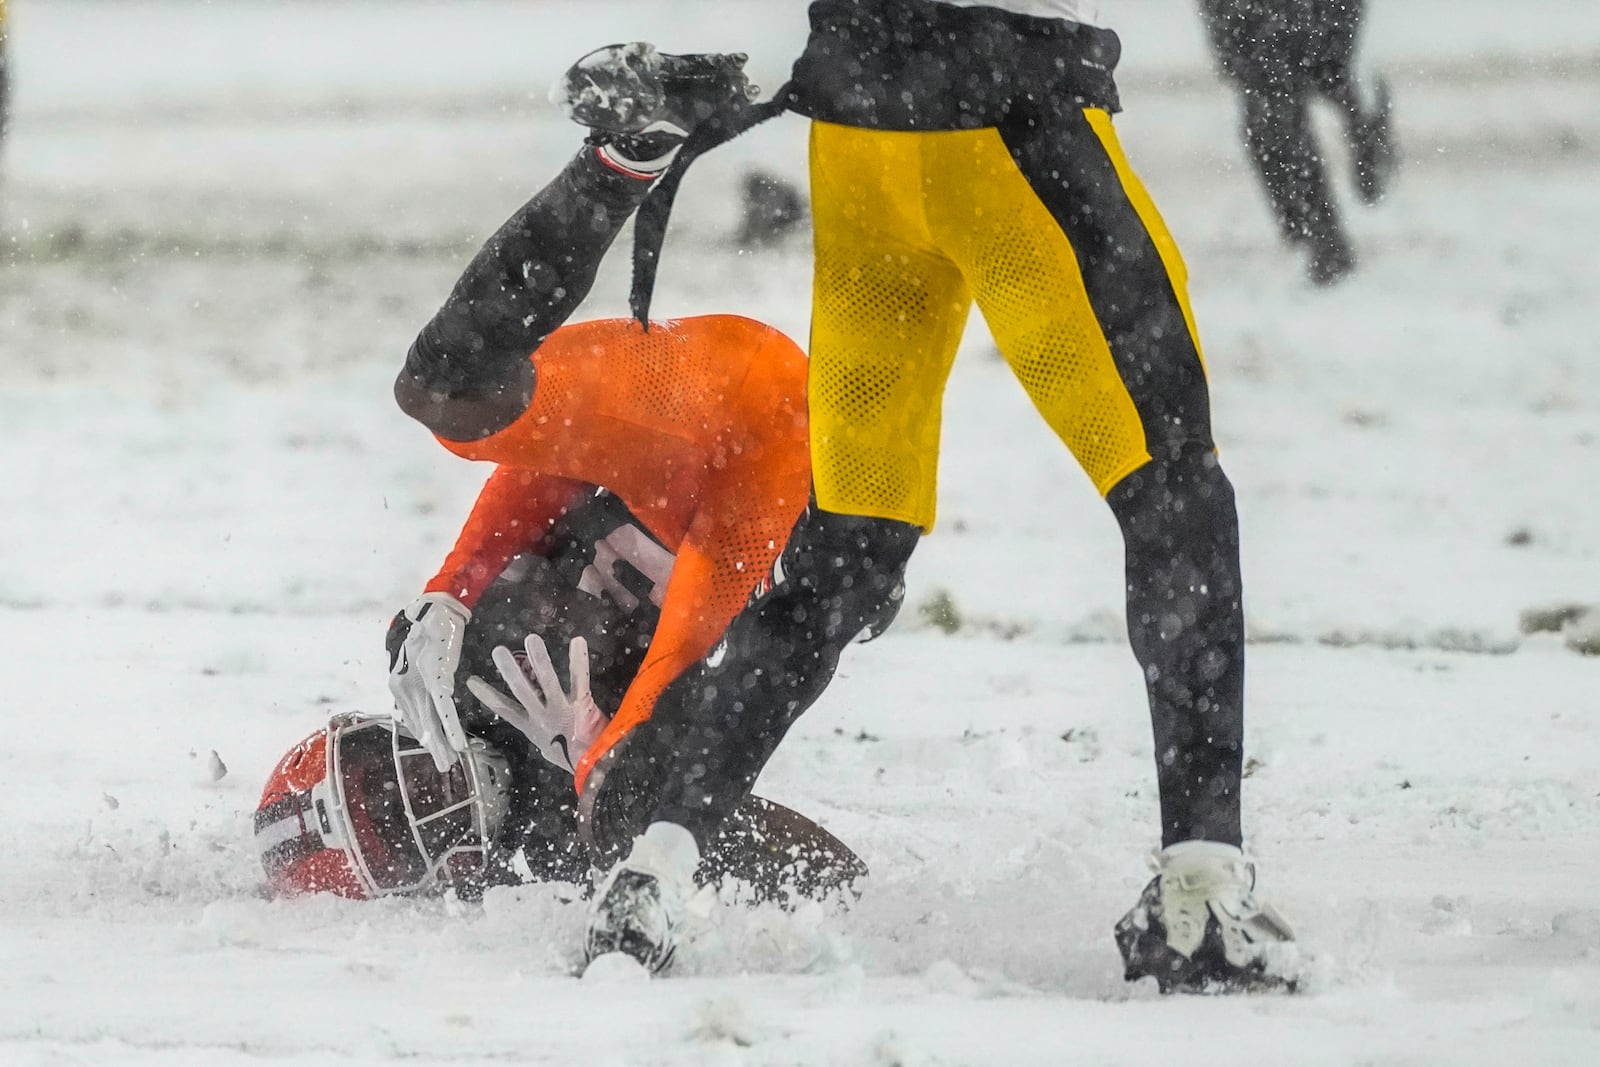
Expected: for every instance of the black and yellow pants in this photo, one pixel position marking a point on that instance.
(1043, 225)
(1050, 232)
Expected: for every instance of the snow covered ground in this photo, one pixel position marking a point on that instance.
(221, 225)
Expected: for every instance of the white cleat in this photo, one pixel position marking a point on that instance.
(640, 908)
(1198, 927)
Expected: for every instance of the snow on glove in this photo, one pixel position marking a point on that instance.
(561, 724)
(422, 673)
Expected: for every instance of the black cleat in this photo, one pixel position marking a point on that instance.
(648, 102)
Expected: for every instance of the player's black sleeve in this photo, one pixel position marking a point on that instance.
(467, 374)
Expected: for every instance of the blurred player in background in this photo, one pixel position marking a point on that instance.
(1280, 56)
(5, 79)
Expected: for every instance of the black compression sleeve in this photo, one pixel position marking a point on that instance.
(1186, 624)
(523, 284)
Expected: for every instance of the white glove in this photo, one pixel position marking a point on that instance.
(422, 675)
(561, 725)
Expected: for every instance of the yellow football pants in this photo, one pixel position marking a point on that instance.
(1074, 271)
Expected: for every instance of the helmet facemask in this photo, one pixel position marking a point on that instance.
(407, 827)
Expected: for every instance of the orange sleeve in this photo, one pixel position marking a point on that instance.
(744, 523)
(702, 597)
(513, 512)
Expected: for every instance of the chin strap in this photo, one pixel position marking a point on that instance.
(650, 229)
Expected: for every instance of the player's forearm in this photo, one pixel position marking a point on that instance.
(468, 373)
(513, 513)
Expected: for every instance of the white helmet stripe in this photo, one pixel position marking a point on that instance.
(274, 834)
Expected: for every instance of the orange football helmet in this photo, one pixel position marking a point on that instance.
(359, 809)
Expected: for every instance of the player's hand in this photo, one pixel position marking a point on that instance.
(562, 724)
(424, 651)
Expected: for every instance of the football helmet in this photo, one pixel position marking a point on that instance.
(359, 809)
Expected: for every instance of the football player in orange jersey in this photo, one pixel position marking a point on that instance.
(698, 426)
(358, 808)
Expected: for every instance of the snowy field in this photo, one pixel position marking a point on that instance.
(220, 226)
